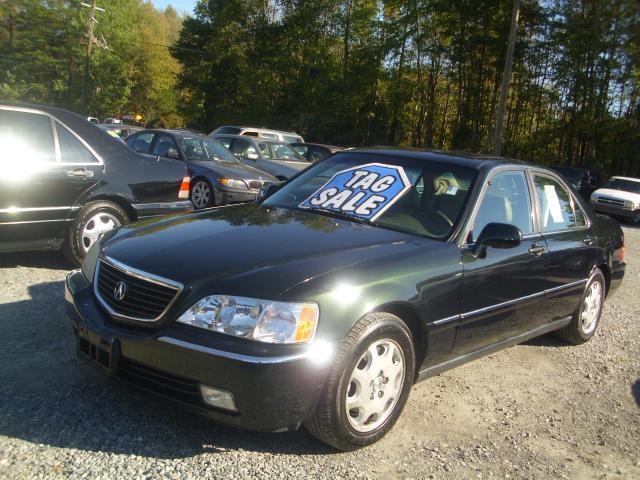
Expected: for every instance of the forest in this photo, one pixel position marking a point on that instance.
(421, 73)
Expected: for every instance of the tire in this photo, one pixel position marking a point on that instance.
(344, 429)
(86, 229)
(635, 219)
(587, 317)
(202, 194)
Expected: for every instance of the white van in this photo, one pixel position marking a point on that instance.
(261, 132)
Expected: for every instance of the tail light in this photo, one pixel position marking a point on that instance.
(622, 251)
(184, 188)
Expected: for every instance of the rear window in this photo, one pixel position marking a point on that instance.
(227, 130)
(26, 137)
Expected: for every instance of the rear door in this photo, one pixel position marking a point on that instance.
(502, 290)
(44, 168)
(571, 242)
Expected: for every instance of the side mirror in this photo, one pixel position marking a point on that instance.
(173, 153)
(268, 189)
(497, 235)
(251, 156)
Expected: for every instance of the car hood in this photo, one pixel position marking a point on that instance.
(252, 250)
(235, 170)
(617, 194)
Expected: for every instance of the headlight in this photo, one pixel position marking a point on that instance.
(233, 183)
(90, 260)
(629, 204)
(262, 320)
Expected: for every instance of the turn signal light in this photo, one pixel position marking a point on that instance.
(184, 188)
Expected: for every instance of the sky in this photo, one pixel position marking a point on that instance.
(179, 5)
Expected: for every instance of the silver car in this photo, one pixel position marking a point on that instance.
(261, 132)
(274, 157)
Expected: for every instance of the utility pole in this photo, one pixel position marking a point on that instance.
(506, 79)
(91, 39)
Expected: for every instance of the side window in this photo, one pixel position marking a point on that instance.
(241, 148)
(163, 144)
(26, 137)
(266, 151)
(506, 200)
(555, 204)
(142, 142)
(71, 149)
(226, 141)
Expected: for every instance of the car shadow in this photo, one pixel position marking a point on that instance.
(546, 340)
(50, 397)
(635, 391)
(53, 260)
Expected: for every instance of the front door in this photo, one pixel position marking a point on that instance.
(502, 293)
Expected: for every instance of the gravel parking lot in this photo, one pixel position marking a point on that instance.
(538, 410)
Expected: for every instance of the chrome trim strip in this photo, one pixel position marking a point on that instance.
(566, 286)
(36, 209)
(442, 321)
(152, 206)
(230, 355)
(134, 272)
(37, 221)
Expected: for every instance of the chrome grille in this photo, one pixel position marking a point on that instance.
(610, 201)
(146, 298)
(255, 184)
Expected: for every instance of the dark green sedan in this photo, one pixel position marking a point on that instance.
(324, 302)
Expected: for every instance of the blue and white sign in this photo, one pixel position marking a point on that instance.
(365, 191)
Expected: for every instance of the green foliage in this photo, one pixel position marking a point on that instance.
(43, 47)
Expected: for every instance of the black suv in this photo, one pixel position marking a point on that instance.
(585, 181)
(64, 182)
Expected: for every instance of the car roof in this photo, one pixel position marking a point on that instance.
(464, 159)
(323, 145)
(177, 131)
(250, 137)
(254, 127)
(627, 178)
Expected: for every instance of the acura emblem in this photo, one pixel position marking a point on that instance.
(120, 290)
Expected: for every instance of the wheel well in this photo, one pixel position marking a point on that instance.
(121, 202)
(606, 271)
(200, 177)
(418, 332)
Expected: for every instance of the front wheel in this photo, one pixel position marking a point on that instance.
(201, 194)
(586, 318)
(368, 385)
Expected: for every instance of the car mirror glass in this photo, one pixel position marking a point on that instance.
(497, 235)
(173, 153)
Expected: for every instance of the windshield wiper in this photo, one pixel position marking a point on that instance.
(342, 216)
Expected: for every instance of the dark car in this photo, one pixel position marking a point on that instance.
(64, 182)
(217, 176)
(314, 152)
(324, 303)
(583, 180)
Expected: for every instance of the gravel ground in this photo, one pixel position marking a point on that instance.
(538, 410)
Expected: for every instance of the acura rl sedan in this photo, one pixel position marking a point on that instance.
(324, 302)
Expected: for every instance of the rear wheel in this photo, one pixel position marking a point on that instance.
(585, 321)
(368, 385)
(635, 219)
(94, 219)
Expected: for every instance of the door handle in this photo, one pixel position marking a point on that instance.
(588, 241)
(80, 172)
(537, 250)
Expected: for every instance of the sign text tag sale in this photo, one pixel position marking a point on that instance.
(365, 191)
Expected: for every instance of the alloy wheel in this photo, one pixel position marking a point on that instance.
(375, 385)
(591, 308)
(200, 194)
(97, 225)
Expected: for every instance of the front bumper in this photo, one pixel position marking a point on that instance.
(273, 390)
(225, 197)
(613, 211)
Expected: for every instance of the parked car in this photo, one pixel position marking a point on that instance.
(112, 121)
(217, 176)
(64, 182)
(261, 132)
(619, 198)
(314, 152)
(93, 119)
(583, 180)
(271, 156)
(325, 302)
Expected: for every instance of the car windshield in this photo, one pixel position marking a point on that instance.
(280, 151)
(419, 197)
(622, 184)
(198, 148)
